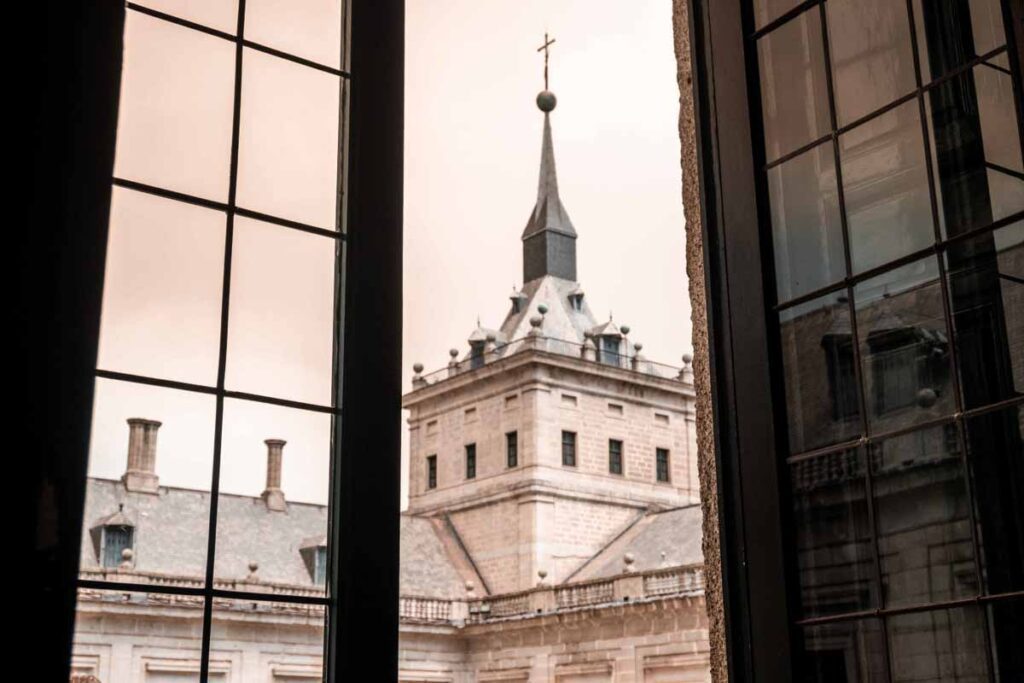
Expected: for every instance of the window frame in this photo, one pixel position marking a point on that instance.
(470, 461)
(662, 463)
(69, 258)
(616, 464)
(570, 457)
(432, 472)
(511, 449)
(746, 384)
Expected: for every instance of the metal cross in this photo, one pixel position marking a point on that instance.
(547, 43)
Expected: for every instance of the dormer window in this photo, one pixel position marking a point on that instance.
(314, 555)
(576, 301)
(111, 536)
(609, 350)
(476, 356)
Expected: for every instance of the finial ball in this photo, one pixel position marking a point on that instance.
(417, 368)
(453, 352)
(546, 101)
(687, 358)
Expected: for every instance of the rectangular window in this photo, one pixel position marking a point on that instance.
(320, 566)
(471, 461)
(512, 449)
(569, 449)
(431, 471)
(116, 539)
(661, 464)
(615, 456)
(615, 409)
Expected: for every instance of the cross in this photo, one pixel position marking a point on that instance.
(547, 43)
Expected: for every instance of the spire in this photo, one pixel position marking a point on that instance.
(549, 239)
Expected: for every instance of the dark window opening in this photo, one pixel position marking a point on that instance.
(471, 461)
(116, 539)
(431, 471)
(661, 464)
(615, 456)
(512, 449)
(842, 378)
(569, 449)
(609, 351)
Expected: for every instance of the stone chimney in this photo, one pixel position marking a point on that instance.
(273, 496)
(140, 475)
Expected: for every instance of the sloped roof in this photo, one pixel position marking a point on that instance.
(676, 532)
(171, 538)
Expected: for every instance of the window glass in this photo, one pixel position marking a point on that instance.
(872, 60)
(471, 461)
(217, 14)
(845, 651)
(309, 29)
(569, 449)
(952, 642)
(794, 95)
(964, 29)
(174, 115)
(615, 456)
(512, 449)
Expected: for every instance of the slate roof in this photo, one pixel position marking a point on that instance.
(676, 532)
(548, 213)
(171, 537)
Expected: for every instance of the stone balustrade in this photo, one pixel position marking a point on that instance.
(623, 589)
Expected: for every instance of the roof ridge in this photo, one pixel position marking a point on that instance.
(644, 514)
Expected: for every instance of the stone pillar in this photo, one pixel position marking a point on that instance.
(140, 475)
(273, 496)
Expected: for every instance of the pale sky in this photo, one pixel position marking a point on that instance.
(472, 148)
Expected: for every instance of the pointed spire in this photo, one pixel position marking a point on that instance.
(549, 239)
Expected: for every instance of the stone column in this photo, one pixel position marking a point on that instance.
(273, 496)
(140, 475)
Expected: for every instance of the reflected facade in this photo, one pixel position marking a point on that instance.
(901, 324)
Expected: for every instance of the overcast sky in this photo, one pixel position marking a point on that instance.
(472, 149)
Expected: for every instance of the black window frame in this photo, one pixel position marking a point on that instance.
(512, 449)
(470, 451)
(569, 448)
(431, 472)
(746, 386)
(615, 460)
(662, 465)
(73, 108)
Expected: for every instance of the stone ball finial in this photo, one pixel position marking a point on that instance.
(470, 587)
(628, 559)
(927, 397)
(253, 567)
(454, 353)
(536, 321)
(638, 346)
(624, 329)
(542, 309)
(127, 555)
(687, 358)
(542, 574)
(546, 101)
(417, 368)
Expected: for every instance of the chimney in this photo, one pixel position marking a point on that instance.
(140, 474)
(273, 496)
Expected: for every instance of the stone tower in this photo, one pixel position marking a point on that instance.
(552, 434)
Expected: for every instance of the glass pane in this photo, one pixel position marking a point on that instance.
(766, 11)
(280, 329)
(283, 642)
(794, 90)
(922, 514)
(872, 60)
(986, 288)
(310, 29)
(995, 452)
(976, 149)
(806, 227)
(165, 263)
(818, 365)
(288, 147)
(1006, 623)
(904, 347)
(833, 534)
(150, 463)
(885, 185)
(124, 637)
(950, 33)
(174, 116)
(844, 651)
(219, 14)
(944, 645)
(272, 511)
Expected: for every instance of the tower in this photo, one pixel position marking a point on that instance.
(552, 434)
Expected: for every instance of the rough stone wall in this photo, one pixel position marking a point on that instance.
(702, 377)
